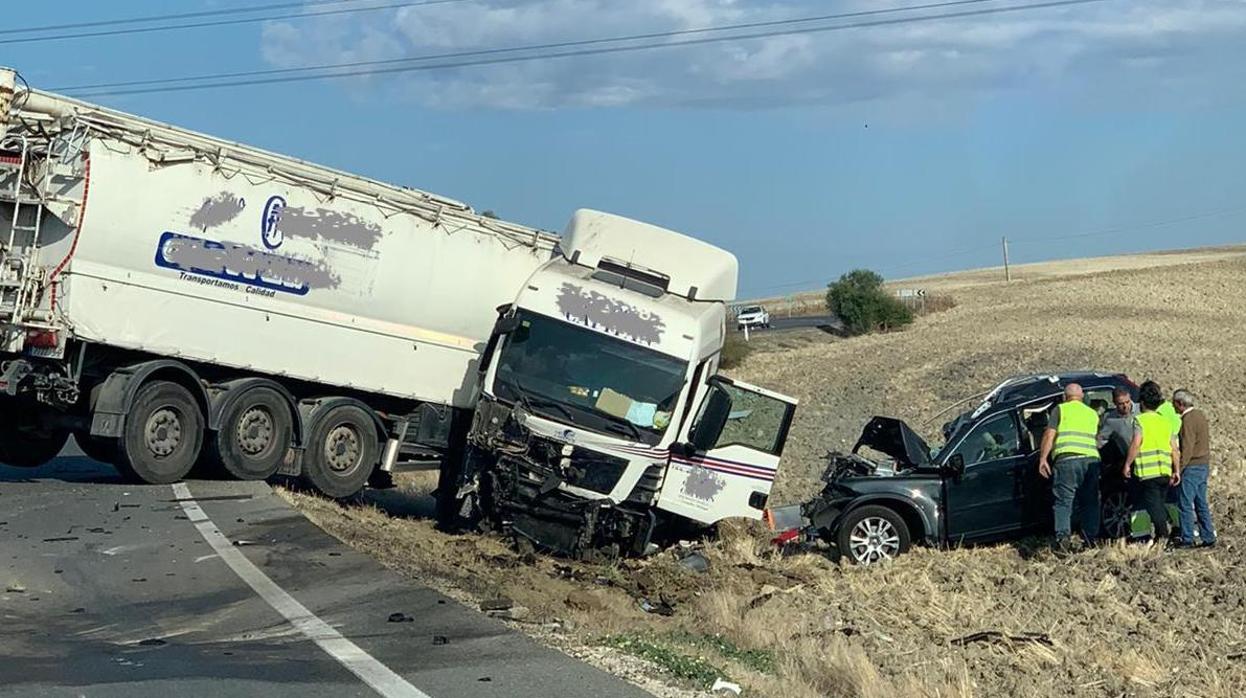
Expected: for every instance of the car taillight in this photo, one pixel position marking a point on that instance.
(42, 339)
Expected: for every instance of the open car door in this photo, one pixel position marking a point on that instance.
(729, 454)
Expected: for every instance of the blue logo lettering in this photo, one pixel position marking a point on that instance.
(269, 220)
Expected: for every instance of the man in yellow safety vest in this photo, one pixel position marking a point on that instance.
(1154, 458)
(1069, 457)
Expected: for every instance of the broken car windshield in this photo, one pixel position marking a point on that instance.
(631, 388)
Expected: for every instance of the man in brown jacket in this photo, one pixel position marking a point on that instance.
(1195, 460)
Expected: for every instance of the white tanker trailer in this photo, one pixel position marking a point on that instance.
(169, 298)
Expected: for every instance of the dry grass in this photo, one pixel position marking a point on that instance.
(1122, 621)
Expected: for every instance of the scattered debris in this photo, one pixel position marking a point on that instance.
(512, 613)
(998, 636)
(722, 687)
(240, 542)
(500, 603)
(59, 539)
(662, 607)
(98, 530)
(139, 579)
(440, 640)
(769, 591)
(485, 679)
(400, 618)
(15, 588)
(79, 610)
(694, 562)
(152, 642)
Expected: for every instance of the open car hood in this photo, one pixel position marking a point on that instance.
(893, 437)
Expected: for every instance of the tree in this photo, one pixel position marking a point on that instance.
(863, 305)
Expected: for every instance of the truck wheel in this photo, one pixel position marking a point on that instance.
(25, 441)
(872, 534)
(341, 452)
(98, 449)
(163, 434)
(255, 435)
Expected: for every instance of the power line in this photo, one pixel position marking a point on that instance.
(90, 91)
(182, 15)
(533, 47)
(1126, 228)
(225, 22)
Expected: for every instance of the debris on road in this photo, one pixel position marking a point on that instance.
(152, 642)
(60, 539)
(440, 640)
(722, 687)
(400, 618)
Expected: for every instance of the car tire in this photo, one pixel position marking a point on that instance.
(872, 534)
(163, 435)
(255, 435)
(1114, 514)
(341, 452)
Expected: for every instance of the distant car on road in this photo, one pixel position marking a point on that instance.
(982, 486)
(753, 316)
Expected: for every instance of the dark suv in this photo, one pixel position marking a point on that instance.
(983, 485)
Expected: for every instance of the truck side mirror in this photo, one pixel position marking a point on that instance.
(955, 466)
(506, 324)
(713, 419)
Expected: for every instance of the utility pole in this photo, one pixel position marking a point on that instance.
(1007, 269)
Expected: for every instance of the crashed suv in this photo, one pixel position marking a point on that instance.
(983, 485)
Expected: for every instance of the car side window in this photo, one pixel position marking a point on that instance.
(1099, 400)
(993, 439)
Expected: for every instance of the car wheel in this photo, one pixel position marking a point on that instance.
(872, 534)
(1114, 514)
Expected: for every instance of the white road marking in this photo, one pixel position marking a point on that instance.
(381, 678)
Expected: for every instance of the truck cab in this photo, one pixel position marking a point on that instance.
(602, 422)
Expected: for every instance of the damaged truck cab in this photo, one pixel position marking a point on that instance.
(602, 424)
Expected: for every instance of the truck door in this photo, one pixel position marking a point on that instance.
(989, 498)
(728, 455)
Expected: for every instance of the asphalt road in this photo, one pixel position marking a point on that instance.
(826, 322)
(216, 588)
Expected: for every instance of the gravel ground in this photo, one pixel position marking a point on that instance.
(1122, 621)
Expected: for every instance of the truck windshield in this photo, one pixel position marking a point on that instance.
(574, 374)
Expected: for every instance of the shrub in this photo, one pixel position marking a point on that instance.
(861, 302)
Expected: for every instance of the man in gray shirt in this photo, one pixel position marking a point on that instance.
(1116, 429)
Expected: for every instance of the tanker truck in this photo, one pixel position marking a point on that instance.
(173, 301)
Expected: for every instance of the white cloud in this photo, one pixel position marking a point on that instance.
(1111, 42)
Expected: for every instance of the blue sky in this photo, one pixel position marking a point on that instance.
(1103, 128)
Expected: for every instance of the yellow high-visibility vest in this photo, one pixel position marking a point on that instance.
(1075, 434)
(1155, 457)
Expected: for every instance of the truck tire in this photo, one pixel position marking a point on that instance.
(163, 434)
(871, 534)
(96, 448)
(341, 451)
(25, 442)
(254, 436)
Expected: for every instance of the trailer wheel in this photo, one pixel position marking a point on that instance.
(255, 433)
(163, 434)
(341, 452)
